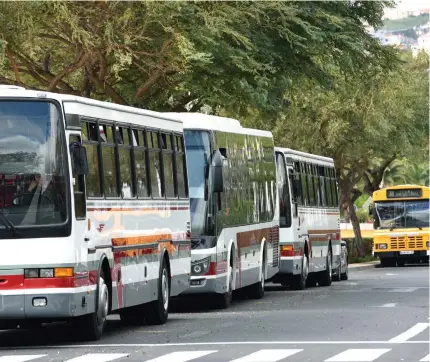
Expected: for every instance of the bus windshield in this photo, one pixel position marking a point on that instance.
(402, 214)
(198, 151)
(32, 168)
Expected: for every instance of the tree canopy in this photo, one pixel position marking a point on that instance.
(162, 55)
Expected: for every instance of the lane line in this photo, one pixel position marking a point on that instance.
(388, 305)
(268, 355)
(98, 357)
(403, 290)
(256, 343)
(411, 332)
(425, 359)
(182, 356)
(358, 355)
(20, 358)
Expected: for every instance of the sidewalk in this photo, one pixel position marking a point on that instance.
(363, 266)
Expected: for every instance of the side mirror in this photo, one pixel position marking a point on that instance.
(217, 176)
(370, 210)
(296, 187)
(80, 161)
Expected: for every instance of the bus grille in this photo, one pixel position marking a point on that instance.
(413, 242)
(274, 238)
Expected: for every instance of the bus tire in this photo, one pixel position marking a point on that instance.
(325, 277)
(158, 310)
(299, 281)
(344, 273)
(257, 290)
(91, 326)
(224, 300)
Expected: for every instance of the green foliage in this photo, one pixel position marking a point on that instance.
(163, 55)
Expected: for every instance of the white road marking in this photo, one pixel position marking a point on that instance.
(403, 290)
(425, 359)
(411, 332)
(238, 343)
(387, 305)
(182, 356)
(391, 274)
(20, 358)
(359, 355)
(268, 355)
(98, 357)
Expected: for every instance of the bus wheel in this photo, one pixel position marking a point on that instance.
(257, 290)
(91, 326)
(158, 310)
(224, 300)
(325, 277)
(299, 281)
(344, 275)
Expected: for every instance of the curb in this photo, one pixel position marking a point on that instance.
(363, 266)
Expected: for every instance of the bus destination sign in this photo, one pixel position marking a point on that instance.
(404, 193)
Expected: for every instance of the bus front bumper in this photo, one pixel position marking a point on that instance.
(403, 254)
(45, 304)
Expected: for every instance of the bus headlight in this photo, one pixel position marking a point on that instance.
(382, 246)
(200, 267)
(428, 244)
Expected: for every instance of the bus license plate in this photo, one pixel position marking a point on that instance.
(406, 252)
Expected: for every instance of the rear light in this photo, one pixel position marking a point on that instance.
(287, 250)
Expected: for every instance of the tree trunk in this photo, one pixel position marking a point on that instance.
(358, 245)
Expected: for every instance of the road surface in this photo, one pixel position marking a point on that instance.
(379, 314)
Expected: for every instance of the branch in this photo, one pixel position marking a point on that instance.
(150, 82)
(14, 66)
(109, 91)
(70, 69)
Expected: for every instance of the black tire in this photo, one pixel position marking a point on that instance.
(401, 262)
(91, 326)
(223, 301)
(257, 289)
(158, 310)
(299, 281)
(326, 277)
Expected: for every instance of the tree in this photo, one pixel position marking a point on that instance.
(168, 55)
(364, 123)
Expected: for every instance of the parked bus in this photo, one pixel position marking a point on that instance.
(94, 214)
(401, 223)
(310, 244)
(233, 198)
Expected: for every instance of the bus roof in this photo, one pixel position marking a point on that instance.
(93, 108)
(303, 155)
(201, 121)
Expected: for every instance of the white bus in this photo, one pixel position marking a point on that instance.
(234, 213)
(310, 243)
(94, 214)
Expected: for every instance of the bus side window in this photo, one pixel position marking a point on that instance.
(78, 187)
(284, 194)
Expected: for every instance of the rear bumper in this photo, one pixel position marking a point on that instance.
(61, 303)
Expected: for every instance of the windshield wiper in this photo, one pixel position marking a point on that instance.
(8, 224)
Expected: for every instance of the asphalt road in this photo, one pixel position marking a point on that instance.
(379, 314)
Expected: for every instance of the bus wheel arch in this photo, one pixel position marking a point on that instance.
(88, 325)
(157, 311)
(325, 277)
(257, 289)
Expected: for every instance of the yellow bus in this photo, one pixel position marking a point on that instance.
(401, 223)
